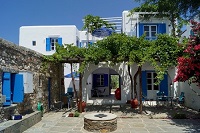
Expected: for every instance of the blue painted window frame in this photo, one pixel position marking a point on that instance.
(51, 43)
(161, 28)
(18, 88)
(12, 88)
(6, 87)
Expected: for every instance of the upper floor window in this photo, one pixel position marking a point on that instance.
(51, 43)
(151, 29)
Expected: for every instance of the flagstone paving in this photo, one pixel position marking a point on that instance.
(58, 122)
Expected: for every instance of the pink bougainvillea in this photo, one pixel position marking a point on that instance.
(189, 64)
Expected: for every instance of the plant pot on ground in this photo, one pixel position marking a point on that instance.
(134, 103)
(83, 106)
(71, 115)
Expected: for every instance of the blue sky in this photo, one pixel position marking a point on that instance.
(17, 13)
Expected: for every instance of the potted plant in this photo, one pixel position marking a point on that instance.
(134, 103)
(71, 114)
(83, 106)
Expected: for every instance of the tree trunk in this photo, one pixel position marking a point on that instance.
(80, 90)
(172, 20)
(73, 82)
(135, 83)
(131, 78)
(140, 80)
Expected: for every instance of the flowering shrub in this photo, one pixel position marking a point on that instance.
(189, 64)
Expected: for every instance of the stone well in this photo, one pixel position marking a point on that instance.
(100, 121)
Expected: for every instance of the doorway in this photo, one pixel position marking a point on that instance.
(152, 88)
(114, 83)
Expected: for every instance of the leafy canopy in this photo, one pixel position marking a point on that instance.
(92, 23)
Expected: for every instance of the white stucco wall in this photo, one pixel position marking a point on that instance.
(39, 34)
(68, 33)
(191, 98)
(131, 23)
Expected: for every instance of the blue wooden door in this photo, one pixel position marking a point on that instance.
(149, 89)
(144, 83)
(17, 88)
(6, 87)
(164, 85)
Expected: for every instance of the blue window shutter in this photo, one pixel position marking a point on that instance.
(144, 83)
(94, 80)
(80, 45)
(6, 88)
(48, 44)
(161, 28)
(141, 29)
(105, 80)
(164, 85)
(18, 88)
(60, 41)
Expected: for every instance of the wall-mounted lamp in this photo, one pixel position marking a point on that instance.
(88, 83)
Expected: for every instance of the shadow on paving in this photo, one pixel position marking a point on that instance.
(156, 112)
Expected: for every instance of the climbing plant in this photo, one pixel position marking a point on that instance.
(161, 53)
(189, 63)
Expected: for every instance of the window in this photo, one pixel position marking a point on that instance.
(85, 43)
(151, 80)
(100, 80)
(51, 43)
(34, 43)
(77, 42)
(151, 31)
(12, 88)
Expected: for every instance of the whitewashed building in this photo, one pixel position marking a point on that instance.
(98, 77)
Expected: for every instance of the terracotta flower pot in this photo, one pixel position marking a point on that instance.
(71, 115)
(83, 106)
(118, 94)
(134, 103)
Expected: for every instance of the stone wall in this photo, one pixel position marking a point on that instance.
(14, 59)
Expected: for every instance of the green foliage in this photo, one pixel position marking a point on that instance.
(76, 114)
(114, 81)
(92, 23)
(163, 53)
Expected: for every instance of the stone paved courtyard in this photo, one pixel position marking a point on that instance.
(128, 121)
